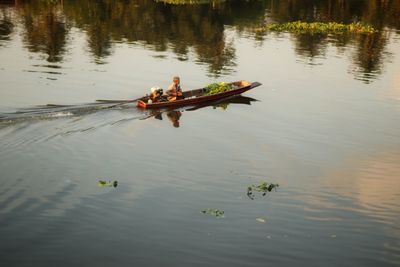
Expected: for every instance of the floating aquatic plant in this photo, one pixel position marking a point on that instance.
(215, 212)
(189, 2)
(319, 27)
(108, 183)
(51, 1)
(265, 187)
(262, 188)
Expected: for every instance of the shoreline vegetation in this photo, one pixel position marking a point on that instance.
(318, 27)
(189, 2)
(202, 33)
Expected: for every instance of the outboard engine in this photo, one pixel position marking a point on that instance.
(156, 90)
(156, 93)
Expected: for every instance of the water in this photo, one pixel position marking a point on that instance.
(324, 126)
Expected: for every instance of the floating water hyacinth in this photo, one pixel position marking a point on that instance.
(319, 27)
(107, 183)
(265, 187)
(262, 188)
(189, 2)
(215, 212)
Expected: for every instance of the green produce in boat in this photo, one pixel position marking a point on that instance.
(216, 88)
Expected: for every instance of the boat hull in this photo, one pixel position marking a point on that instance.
(198, 99)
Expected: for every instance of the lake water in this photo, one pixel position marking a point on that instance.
(324, 125)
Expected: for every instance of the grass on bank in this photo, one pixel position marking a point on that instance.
(319, 27)
(188, 2)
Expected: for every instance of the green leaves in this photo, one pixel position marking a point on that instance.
(216, 88)
(215, 212)
(262, 188)
(265, 187)
(107, 183)
(319, 27)
(189, 2)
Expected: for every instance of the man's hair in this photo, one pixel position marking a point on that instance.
(176, 78)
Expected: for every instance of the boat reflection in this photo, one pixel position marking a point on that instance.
(174, 115)
(78, 112)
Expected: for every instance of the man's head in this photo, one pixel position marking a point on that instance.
(176, 80)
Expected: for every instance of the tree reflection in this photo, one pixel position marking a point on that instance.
(200, 30)
(45, 28)
(6, 25)
(369, 56)
(370, 49)
(158, 26)
(310, 45)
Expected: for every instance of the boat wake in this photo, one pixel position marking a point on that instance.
(51, 111)
(103, 112)
(44, 123)
(40, 124)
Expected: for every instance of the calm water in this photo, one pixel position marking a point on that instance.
(325, 126)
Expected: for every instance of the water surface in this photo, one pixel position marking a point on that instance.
(324, 126)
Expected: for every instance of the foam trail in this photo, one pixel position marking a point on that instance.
(51, 111)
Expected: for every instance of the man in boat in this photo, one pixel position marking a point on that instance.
(174, 91)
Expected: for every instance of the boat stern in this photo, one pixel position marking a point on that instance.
(141, 104)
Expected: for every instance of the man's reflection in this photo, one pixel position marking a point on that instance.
(174, 117)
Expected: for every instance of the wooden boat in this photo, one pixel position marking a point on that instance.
(197, 96)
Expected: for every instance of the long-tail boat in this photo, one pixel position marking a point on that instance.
(197, 96)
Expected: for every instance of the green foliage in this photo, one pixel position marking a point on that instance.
(319, 27)
(216, 88)
(265, 187)
(262, 188)
(189, 2)
(47, 28)
(51, 1)
(215, 212)
(107, 183)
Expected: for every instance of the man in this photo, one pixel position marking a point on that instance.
(174, 91)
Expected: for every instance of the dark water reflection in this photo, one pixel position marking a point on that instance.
(174, 116)
(6, 25)
(199, 29)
